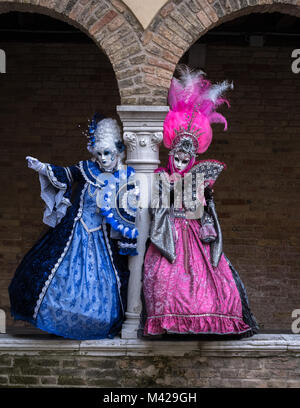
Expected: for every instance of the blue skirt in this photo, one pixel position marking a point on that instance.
(82, 300)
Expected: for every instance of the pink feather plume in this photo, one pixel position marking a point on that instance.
(193, 93)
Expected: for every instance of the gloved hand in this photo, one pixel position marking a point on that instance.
(36, 165)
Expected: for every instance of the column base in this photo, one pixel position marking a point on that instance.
(130, 328)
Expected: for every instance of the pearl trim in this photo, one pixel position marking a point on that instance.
(126, 245)
(87, 228)
(69, 174)
(53, 179)
(195, 315)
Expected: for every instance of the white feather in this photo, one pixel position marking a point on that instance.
(216, 90)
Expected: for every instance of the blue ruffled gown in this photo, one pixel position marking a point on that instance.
(73, 282)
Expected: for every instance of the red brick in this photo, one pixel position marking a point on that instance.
(118, 5)
(99, 25)
(116, 23)
(204, 18)
(155, 81)
(166, 10)
(157, 62)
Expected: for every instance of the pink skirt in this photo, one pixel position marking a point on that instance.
(190, 295)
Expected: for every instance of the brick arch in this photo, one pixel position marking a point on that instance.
(182, 22)
(144, 61)
(110, 24)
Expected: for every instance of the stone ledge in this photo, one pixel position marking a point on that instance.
(262, 344)
(143, 108)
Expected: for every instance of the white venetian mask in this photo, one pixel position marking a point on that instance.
(181, 160)
(106, 158)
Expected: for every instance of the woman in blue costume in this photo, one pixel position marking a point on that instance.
(73, 282)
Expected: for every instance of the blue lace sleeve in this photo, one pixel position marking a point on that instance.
(56, 189)
(73, 173)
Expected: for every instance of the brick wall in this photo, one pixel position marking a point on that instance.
(66, 370)
(49, 89)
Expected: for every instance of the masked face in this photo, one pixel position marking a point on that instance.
(107, 159)
(181, 160)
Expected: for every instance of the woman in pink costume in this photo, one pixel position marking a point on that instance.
(189, 285)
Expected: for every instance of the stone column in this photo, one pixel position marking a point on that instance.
(143, 132)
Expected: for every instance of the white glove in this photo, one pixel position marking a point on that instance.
(36, 165)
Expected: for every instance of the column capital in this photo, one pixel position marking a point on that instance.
(142, 118)
(142, 134)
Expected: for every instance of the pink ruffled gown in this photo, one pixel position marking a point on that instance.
(190, 295)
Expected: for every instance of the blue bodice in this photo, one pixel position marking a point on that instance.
(91, 216)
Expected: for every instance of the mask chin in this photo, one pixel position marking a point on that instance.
(109, 165)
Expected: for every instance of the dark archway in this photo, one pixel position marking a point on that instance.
(180, 24)
(56, 79)
(110, 25)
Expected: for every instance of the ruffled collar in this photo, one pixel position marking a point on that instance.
(91, 171)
